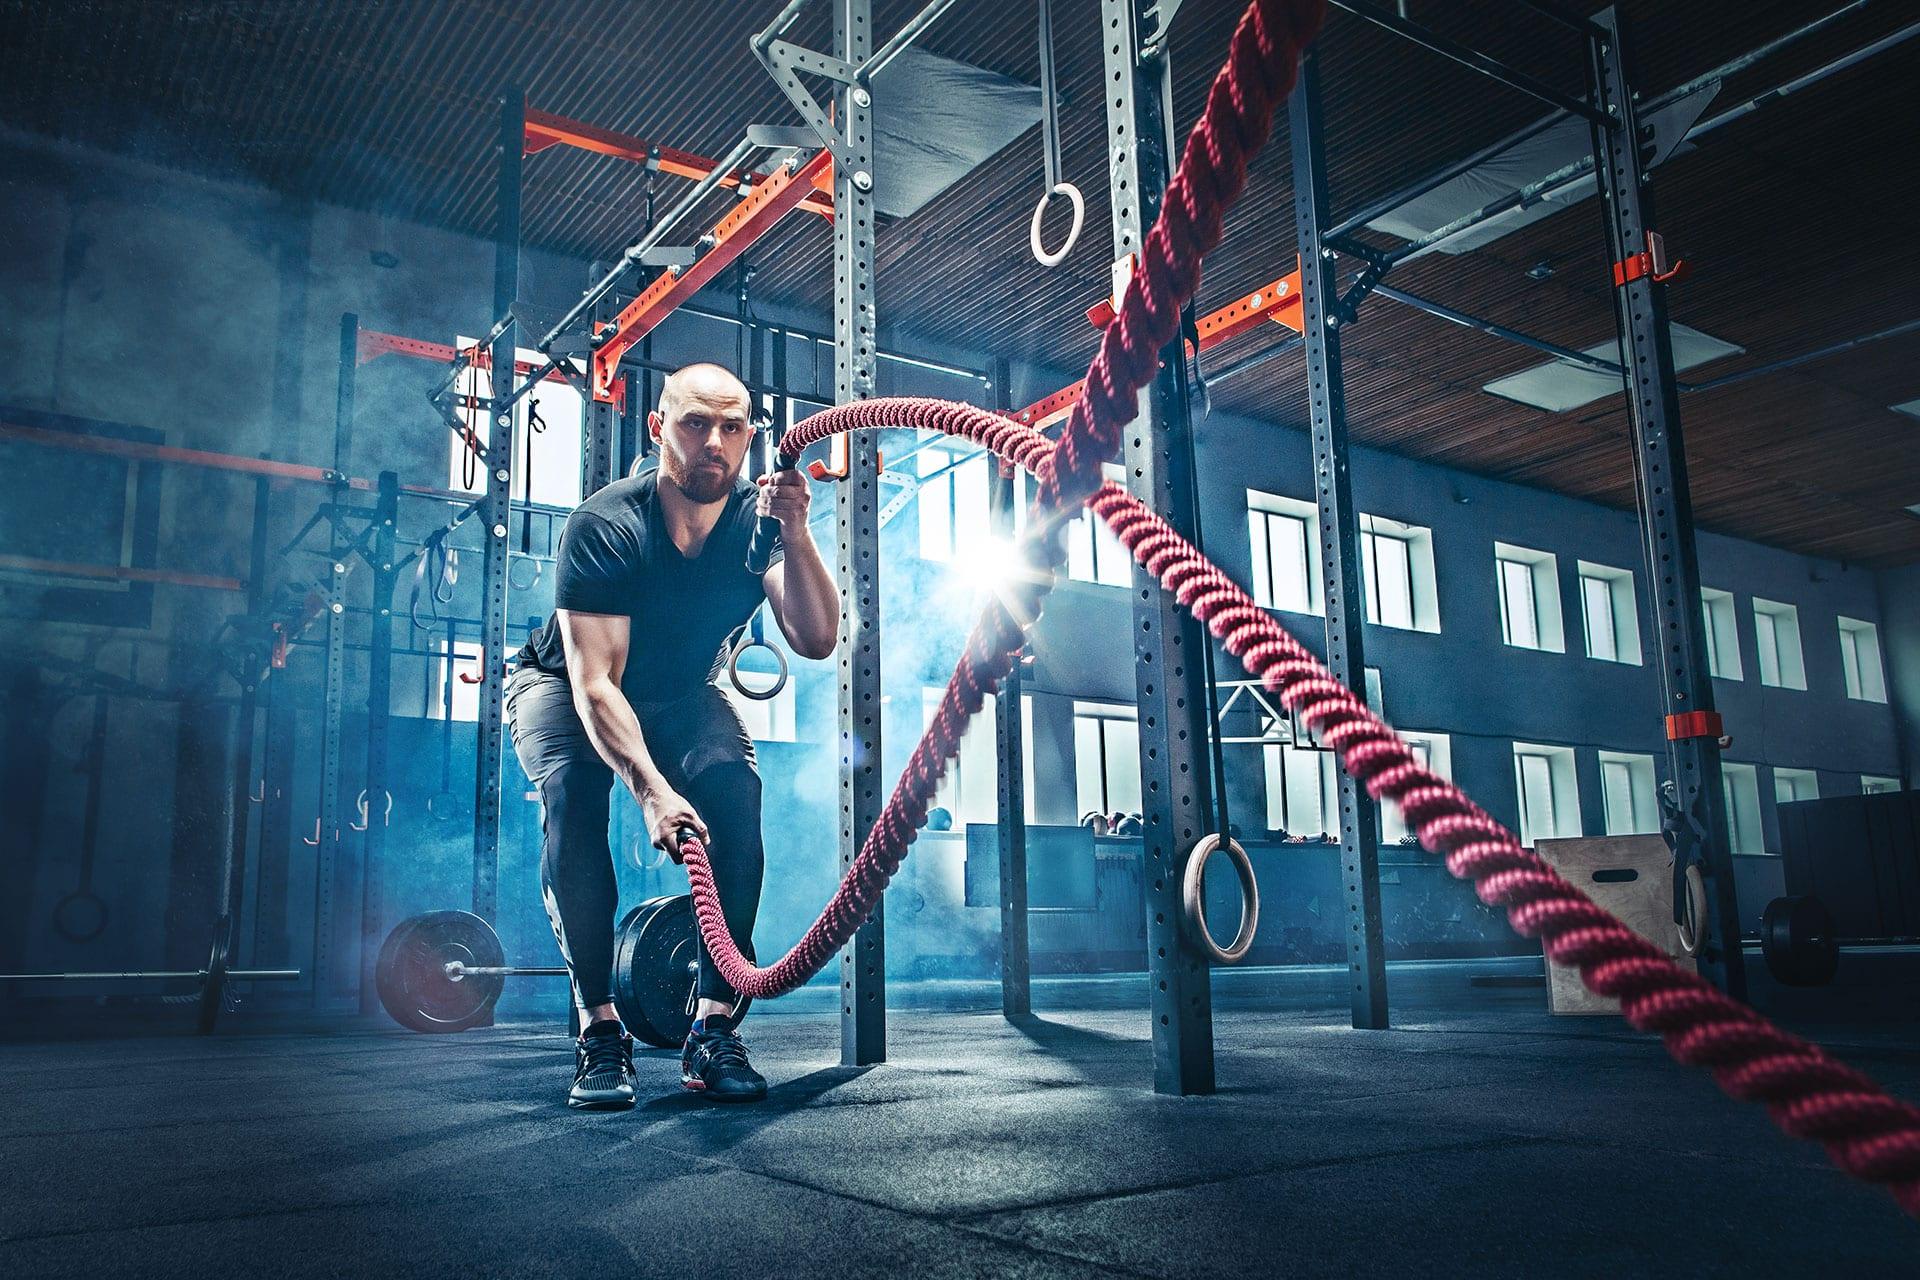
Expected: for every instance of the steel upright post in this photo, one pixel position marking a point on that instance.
(239, 781)
(333, 693)
(1176, 769)
(497, 513)
(1699, 826)
(863, 1011)
(373, 836)
(1016, 965)
(602, 417)
(1339, 535)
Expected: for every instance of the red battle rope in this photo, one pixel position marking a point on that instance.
(1810, 1094)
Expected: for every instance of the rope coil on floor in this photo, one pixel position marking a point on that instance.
(1810, 1094)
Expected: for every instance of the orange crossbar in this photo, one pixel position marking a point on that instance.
(140, 451)
(1277, 300)
(772, 199)
(374, 344)
(544, 129)
(118, 573)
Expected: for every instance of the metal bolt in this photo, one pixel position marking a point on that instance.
(501, 474)
(1613, 108)
(338, 607)
(499, 531)
(504, 419)
(1328, 254)
(861, 98)
(862, 180)
(1333, 322)
(385, 612)
(339, 568)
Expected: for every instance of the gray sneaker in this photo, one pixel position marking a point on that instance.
(603, 1077)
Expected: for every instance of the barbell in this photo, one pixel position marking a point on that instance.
(445, 970)
(1799, 941)
(212, 979)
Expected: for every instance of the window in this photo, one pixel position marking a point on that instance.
(547, 454)
(1722, 637)
(952, 499)
(1860, 655)
(1396, 562)
(1741, 783)
(1791, 785)
(1303, 790)
(1606, 606)
(1776, 632)
(1435, 752)
(1106, 758)
(1529, 598)
(1871, 785)
(1628, 789)
(1094, 554)
(767, 719)
(459, 697)
(1549, 795)
(1286, 573)
(971, 789)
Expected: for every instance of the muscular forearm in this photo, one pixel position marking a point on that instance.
(810, 612)
(615, 733)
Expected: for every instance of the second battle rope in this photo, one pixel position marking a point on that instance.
(1810, 1094)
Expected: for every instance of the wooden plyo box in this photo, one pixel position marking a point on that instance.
(1631, 876)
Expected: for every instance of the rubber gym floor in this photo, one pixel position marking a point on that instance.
(1479, 1136)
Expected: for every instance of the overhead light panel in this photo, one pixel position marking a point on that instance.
(1560, 385)
(1911, 408)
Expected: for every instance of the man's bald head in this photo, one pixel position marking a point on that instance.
(711, 385)
(703, 425)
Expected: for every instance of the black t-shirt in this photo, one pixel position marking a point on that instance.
(616, 557)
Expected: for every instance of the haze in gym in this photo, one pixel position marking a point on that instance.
(1025, 638)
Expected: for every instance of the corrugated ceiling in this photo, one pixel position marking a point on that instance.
(1798, 218)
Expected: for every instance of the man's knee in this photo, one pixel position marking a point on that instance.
(576, 801)
(728, 796)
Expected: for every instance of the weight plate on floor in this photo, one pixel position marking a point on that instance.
(412, 976)
(654, 968)
(213, 979)
(1797, 938)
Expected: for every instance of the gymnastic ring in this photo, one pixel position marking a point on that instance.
(1072, 193)
(1195, 909)
(92, 910)
(1688, 926)
(637, 845)
(733, 671)
(514, 559)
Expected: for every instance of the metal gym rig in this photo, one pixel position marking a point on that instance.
(1137, 57)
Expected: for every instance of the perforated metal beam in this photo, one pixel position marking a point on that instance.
(1339, 537)
(863, 977)
(1175, 766)
(1666, 510)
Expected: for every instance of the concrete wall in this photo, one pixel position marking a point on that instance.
(209, 315)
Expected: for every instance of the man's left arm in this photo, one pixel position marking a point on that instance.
(805, 599)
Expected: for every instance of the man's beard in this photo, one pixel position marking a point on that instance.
(700, 483)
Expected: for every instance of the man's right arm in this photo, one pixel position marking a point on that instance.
(596, 647)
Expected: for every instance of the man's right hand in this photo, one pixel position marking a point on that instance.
(666, 812)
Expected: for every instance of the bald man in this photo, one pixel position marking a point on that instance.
(651, 591)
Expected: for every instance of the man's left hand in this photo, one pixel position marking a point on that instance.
(785, 496)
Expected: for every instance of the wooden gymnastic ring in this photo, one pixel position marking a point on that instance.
(1194, 907)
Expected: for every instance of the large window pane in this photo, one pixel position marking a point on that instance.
(1519, 621)
(1596, 602)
